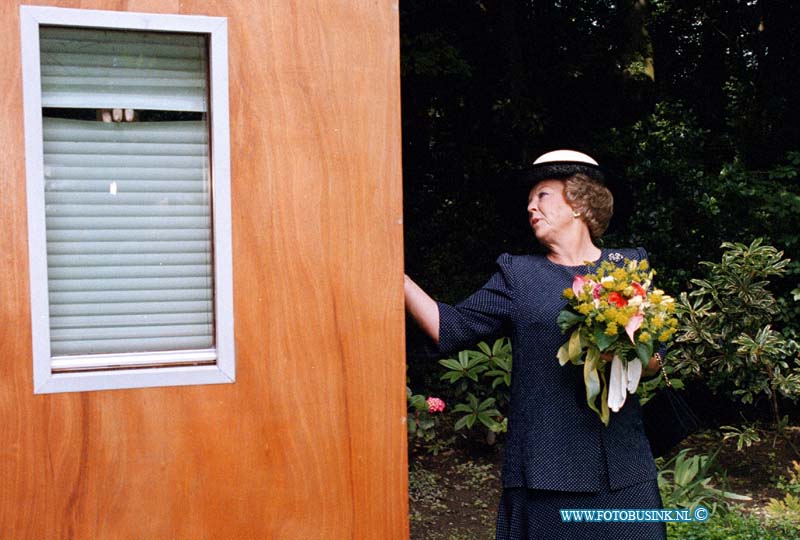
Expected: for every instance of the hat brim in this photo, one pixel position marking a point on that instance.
(558, 170)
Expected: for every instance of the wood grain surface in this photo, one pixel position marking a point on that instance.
(310, 442)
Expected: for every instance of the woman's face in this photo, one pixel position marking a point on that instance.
(548, 211)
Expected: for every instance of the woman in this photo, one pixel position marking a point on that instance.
(558, 454)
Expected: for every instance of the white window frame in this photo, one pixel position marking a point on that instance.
(178, 368)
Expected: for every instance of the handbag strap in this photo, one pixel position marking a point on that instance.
(664, 371)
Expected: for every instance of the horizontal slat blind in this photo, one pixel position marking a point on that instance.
(128, 216)
(88, 68)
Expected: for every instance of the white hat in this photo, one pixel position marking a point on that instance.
(563, 163)
(565, 156)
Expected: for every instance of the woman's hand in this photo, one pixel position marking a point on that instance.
(423, 308)
(652, 367)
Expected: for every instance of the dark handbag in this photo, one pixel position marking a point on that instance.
(667, 418)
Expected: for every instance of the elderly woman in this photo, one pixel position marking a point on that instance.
(558, 455)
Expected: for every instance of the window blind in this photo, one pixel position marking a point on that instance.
(129, 252)
(88, 68)
(127, 205)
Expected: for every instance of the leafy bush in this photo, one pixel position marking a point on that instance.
(423, 420)
(785, 511)
(481, 379)
(726, 328)
(792, 483)
(688, 481)
(733, 526)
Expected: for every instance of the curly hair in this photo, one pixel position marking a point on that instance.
(592, 199)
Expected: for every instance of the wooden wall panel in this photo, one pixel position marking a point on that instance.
(309, 443)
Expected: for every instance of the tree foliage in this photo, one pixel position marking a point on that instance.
(692, 107)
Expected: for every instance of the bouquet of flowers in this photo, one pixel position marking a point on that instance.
(616, 319)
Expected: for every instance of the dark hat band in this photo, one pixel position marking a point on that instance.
(561, 169)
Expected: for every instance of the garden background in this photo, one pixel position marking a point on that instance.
(693, 108)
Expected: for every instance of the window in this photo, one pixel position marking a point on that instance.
(128, 214)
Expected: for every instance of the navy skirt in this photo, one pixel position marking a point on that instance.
(533, 514)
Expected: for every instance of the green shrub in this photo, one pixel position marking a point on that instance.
(786, 511)
(481, 379)
(422, 425)
(688, 481)
(791, 484)
(726, 335)
(732, 526)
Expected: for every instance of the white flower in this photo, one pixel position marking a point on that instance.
(617, 381)
(616, 257)
(635, 301)
(634, 374)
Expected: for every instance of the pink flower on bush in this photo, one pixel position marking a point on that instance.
(435, 404)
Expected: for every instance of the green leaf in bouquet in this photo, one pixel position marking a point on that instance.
(591, 378)
(575, 346)
(645, 352)
(604, 411)
(563, 354)
(602, 339)
(567, 319)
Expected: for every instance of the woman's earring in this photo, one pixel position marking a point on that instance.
(576, 214)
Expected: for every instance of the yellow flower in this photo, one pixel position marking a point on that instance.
(611, 329)
(585, 309)
(628, 291)
(643, 265)
(569, 293)
(673, 322)
(644, 337)
(623, 318)
(666, 334)
(619, 274)
(657, 323)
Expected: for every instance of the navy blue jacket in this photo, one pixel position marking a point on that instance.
(554, 441)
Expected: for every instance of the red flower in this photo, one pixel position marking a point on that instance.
(617, 299)
(638, 289)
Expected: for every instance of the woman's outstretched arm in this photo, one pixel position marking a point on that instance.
(423, 308)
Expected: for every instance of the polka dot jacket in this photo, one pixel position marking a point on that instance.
(554, 441)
